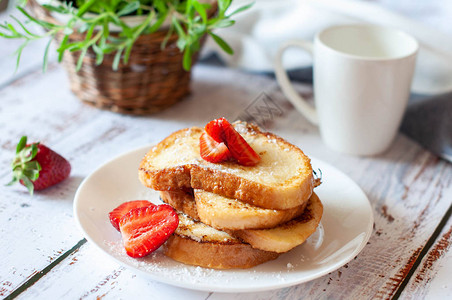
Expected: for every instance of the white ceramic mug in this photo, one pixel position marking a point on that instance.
(362, 80)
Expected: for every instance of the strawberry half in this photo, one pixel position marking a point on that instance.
(215, 129)
(145, 229)
(38, 167)
(239, 148)
(117, 213)
(221, 130)
(211, 150)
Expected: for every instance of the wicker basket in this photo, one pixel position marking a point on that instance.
(153, 79)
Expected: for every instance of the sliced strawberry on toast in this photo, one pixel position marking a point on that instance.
(117, 213)
(145, 229)
(215, 129)
(222, 131)
(211, 150)
(239, 148)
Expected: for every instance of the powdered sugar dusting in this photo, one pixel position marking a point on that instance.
(241, 127)
(162, 268)
(157, 263)
(188, 132)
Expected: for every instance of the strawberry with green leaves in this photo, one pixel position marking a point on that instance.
(37, 167)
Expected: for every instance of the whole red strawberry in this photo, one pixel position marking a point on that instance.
(37, 167)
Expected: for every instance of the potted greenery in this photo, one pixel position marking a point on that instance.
(128, 56)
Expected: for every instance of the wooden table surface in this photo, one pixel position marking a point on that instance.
(43, 254)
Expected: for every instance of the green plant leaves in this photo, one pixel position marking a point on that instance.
(223, 5)
(189, 19)
(85, 7)
(46, 56)
(129, 8)
(226, 48)
(117, 59)
(187, 59)
(240, 9)
(201, 11)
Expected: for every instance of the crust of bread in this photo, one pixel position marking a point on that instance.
(195, 243)
(226, 213)
(181, 201)
(172, 177)
(286, 236)
(189, 170)
(215, 256)
(280, 238)
(231, 186)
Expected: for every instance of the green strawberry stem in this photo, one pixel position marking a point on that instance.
(25, 169)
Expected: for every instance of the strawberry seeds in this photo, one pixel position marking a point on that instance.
(144, 226)
(221, 141)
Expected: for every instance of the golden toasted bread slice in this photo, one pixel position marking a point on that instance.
(286, 236)
(279, 239)
(195, 243)
(181, 201)
(283, 178)
(226, 213)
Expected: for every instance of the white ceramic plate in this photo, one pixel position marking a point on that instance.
(345, 229)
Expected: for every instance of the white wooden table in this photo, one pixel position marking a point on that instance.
(43, 255)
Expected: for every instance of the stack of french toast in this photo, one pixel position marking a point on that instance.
(233, 213)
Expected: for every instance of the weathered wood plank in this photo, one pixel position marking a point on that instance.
(30, 240)
(432, 278)
(104, 279)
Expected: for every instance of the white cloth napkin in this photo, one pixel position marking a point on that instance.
(260, 31)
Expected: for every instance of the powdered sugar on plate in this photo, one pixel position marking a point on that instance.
(157, 264)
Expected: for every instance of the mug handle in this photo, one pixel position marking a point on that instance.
(283, 79)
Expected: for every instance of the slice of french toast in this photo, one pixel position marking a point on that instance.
(283, 178)
(182, 201)
(195, 243)
(226, 213)
(286, 236)
(280, 238)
